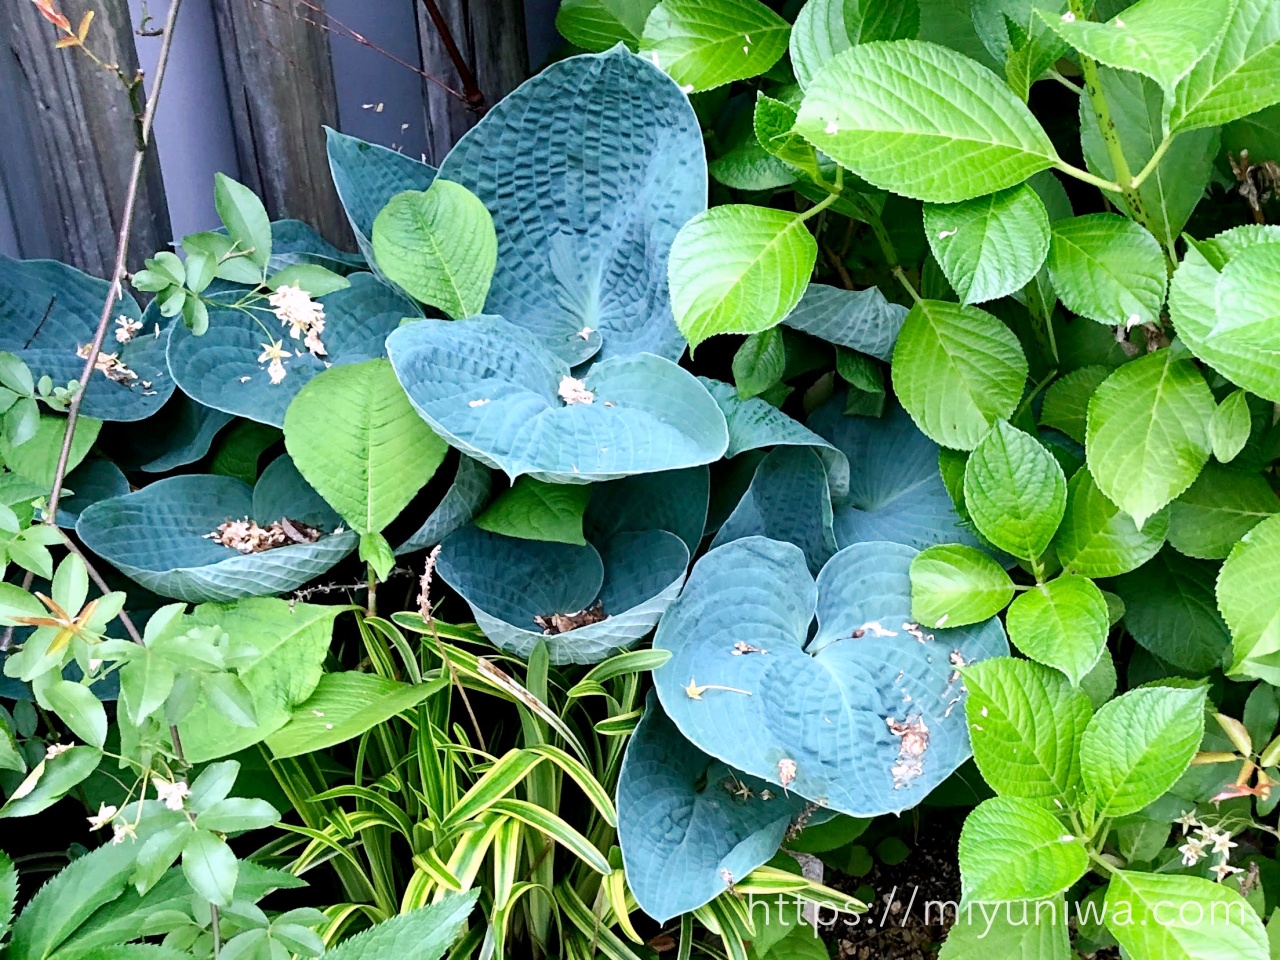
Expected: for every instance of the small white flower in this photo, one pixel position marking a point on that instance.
(1188, 820)
(126, 328)
(1224, 870)
(572, 390)
(295, 309)
(1221, 841)
(56, 749)
(106, 813)
(831, 128)
(121, 831)
(1192, 851)
(173, 795)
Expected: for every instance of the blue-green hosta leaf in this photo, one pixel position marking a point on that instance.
(738, 268)
(585, 222)
(1015, 491)
(181, 433)
(922, 120)
(1169, 608)
(1108, 268)
(460, 505)
(498, 394)
(1161, 926)
(509, 582)
(1026, 721)
(49, 310)
(1062, 623)
(867, 724)
(221, 370)
(689, 825)
(158, 536)
(957, 370)
(597, 25)
(1245, 347)
(790, 500)
(1012, 848)
(1161, 39)
(704, 44)
(861, 320)
(354, 436)
(1138, 745)
(279, 647)
(1178, 182)
(366, 177)
(897, 492)
(955, 585)
(675, 501)
(754, 424)
(990, 246)
(1148, 434)
(438, 245)
(294, 242)
(1217, 510)
(1249, 598)
(343, 706)
(1098, 539)
(1239, 76)
(92, 481)
(824, 28)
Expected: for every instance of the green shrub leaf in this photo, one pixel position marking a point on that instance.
(1230, 426)
(1169, 608)
(704, 44)
(343, 706)
(1097, 539)
(1239, 76)
(1138, 745)
(1218, 510)
(1156, 925)
(1062, 623)
(1108, 268)
(1249, 598)
(596, 25)
(824, 28)
(922, 120)
(1015, 491)
(759, 363)
(953, 585)
(957, 370)
(1012, 848)
(535, 510)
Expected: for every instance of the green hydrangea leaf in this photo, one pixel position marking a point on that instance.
(1230, 426)
(1170, 609)
(1066, 402)
(1218, 510)
(1097, 539)
(597, 25)
(1062, 623)
(953, 585)
(1160, 928)
(534, 510)
(1108, 268)
(705, 44)
(824, 28)
(1012, 848)
(1249, 597)
(1018, 930)
(1015, 491)
(759, 363)
(1240, 75)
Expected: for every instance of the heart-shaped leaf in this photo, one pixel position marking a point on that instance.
(897, 492)
(871, 721)
(49, 311)
(585, 222)
(511, 584)
(689, 825)
(221, 370)
(158, 536)
(494, 391)
(861, 320)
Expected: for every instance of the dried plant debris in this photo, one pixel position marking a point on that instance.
(914, 735)
(247, 536)
(555, 623)
(108, 364)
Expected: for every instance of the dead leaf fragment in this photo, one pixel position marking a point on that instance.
(555, 623)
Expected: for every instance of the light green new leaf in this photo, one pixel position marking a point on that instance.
(991, 246)
(245, 218)
(953, 585)
(1062, 623)
(438, 245)
(1097, 539)
(1015, 491)
(1161, 39)
(1138, 745)
(922, 120)
(210, 867)
(145, 683)
(1147, 913)
(824, 28)
(1170, 193)
(76, 706)
(1239, 76)
(1249, 598)
(422, 934)
(1013, 849)
(596, 25)
(534, 510)
(354, 436)
(1025, 722)
(704, 44)
(1017, 930)
(1066, 402)
(759, 363)
(1229, 427)
(1148, 434)
(343, 706)
(957, 370)
(1218, 509)
(37, 459)
(738, 269)
(1108, 268)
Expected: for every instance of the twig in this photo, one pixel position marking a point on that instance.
(326, 588)
(474, 96)
(122, 252)
(841, 270)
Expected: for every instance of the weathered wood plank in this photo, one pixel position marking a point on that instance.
(84, 134)
(491, 37)
(281, 87)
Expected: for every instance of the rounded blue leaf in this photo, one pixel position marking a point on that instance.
(860, 711)
(589, 169)
(675, 501)
(220, 369)
(93, 480)
(861, 320)
(461, 503)
(492, 390)
(158, 535)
